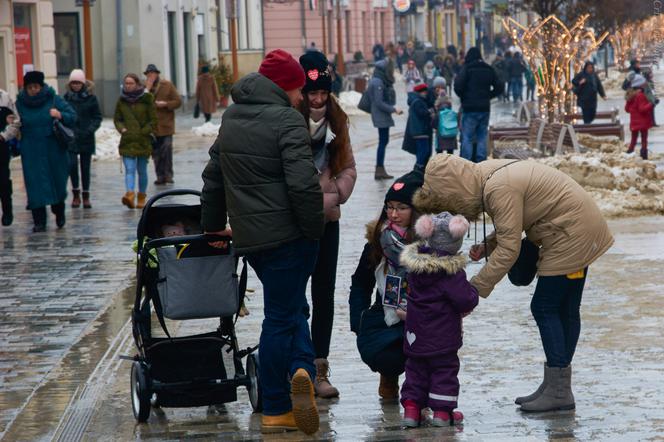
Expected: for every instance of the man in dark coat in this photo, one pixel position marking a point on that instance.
(261, 175)
(476, 85)
(587, 86)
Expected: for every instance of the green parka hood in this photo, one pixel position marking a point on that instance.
(258, 89)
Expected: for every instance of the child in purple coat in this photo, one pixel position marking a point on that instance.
(439, 296)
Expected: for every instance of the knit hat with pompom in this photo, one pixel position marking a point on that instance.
(443, 232)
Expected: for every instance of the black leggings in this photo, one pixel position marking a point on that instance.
(86, 160)
(323, 282)
(5, 180)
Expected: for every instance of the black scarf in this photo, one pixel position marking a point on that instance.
(134, 96)
(43, 96)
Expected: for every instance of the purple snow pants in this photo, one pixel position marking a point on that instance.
(432, 382)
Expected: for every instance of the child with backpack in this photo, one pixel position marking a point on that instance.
(446, 119)
(640, 114)
(439, 296)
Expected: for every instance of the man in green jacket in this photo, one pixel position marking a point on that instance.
(261, 176)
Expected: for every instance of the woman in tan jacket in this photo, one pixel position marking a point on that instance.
(207, 93)
(558, 217)
(333, 157)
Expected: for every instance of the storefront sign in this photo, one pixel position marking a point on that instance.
(23, 48)
(402, 5)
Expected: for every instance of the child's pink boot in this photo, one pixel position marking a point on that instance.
(445, 419)
(411, 414)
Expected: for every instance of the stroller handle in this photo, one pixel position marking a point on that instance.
(188, 239)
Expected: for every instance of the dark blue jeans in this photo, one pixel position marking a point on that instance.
(555, 307)
(285, 342)
(516, 84)
(423, 153)
(474, 125)
(383, 139)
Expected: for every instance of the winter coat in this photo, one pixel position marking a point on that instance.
(587, 92)
(477, 84)
(500, 66)
(554, 211)
(45, 162)
(438, 295)
(207, 93)
(164, 90)
(383, 97)
(367, 319)
(419, 123)
(261, 172)
(9, 131)
(337, 189)
(89, 119)
(412, 77)
(639, 109)
(516, 68)
(140, 120)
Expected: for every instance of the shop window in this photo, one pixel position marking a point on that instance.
(67, 42)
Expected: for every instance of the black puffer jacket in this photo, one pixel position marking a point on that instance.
(89, 116)
(587, 92)
(477, 83)
(261, 172)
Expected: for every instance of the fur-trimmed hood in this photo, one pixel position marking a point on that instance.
(419, 262)
(371, 229)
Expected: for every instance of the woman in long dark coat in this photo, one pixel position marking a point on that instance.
(85, 103)
(45, 161)
(587, 86)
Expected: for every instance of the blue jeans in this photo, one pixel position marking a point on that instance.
(555, 307)
(474, 125)
(516, 85)
(133, 165)
(285, 342)
(383, 139)
(423, 153)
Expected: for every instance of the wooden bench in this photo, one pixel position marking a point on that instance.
(612, 115)
(602, 129)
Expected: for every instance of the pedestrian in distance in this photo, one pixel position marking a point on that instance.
(45, 161)
(411, 76)
(334, 161)
(207, 93)
(530, 84)
(634, 68)
(565, 234)
(377, 323)
(516, 69)
(80, 95)
(166, 99)
(419, 129)
(506, 76)
(10, 124)
(378, 52)
(429, 73)
(587, 86)
(650, 92)
(261, 181)
(446, 120)
(136, 120)
(476, 85)
(439, 296)
(500, 65)
(383, 105)
(640, 114)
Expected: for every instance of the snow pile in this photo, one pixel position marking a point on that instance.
(621, 184)
(208, 129)
(349, 101)
(602, 144)
(108, 140)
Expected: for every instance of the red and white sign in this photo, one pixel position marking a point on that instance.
(23, 48)
(402, 5)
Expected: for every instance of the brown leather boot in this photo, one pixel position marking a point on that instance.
(305, 411)
(86, 200)
(322, 383)
(389, 387)
(76, 201)
(381, 174)
(128, 200)
(140, 203)
(278, 424)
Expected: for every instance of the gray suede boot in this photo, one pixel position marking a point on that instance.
(531, 397)
(557, 394)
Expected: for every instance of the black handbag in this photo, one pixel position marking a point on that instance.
(63, 134)
(524, 269)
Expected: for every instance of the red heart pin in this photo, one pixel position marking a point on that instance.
(398, 186)
(313, 74)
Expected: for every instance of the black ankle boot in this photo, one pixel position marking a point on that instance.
(59, 212)
(39, 218)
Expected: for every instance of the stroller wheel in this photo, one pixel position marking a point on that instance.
(140, 392)
(254, 388)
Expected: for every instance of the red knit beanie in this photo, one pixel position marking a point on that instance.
(280, 67)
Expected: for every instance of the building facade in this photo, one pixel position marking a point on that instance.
(26, 42)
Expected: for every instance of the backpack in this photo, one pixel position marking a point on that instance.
(447, 123)
(365, 101)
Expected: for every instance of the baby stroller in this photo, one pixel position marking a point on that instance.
(183, 278)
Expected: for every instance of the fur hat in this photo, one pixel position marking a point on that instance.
(403, 189)
(638, 81)
(443, 232)
(316, 70)
(280, 67)
(33, 77)
(77, 75)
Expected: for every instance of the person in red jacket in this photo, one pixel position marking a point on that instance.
(640, 112)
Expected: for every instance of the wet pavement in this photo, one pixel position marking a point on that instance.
(66, 295)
